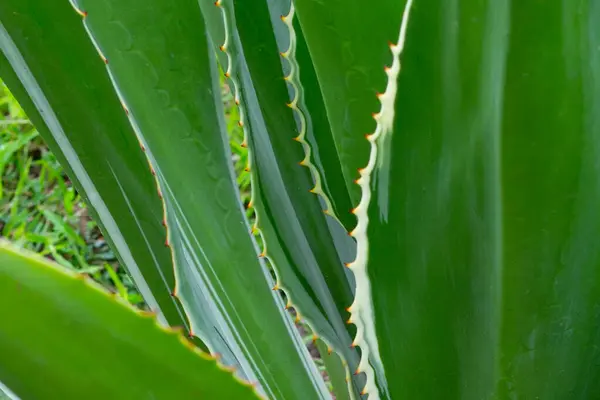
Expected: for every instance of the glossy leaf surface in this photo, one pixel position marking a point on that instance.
(196, 91)
(66, 337)
(69, 97)
(348, 43)
(265, 69)
(482, 248)
(309, 269)
(166, 75)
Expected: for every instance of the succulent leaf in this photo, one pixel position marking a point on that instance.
(97, 345)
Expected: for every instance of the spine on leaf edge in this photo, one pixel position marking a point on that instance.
(297, 104)
(232, 76)
(165, 222)
(361, 310)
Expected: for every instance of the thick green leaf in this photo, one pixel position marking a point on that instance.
(259, 46)
(37, 31)
(64, 337)
(306, 99)
(164, 69)
(482, 258)
(49, 64)
(309, 270)
(348, 43)
(325, 152)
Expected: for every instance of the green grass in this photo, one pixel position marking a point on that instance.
(40, 209)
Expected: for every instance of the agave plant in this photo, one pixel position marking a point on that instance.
(424, 180)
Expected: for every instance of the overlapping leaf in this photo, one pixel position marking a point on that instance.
(300, 239)
(64, 337)
(165, 75)
(68, 96)
(481, 251)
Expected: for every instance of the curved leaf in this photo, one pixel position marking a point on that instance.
(480, 205)
(165, 73)
(49, 64)
(348, 44)
(65, 337)
(309, 270)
